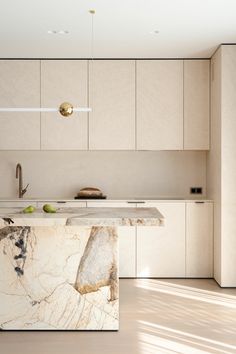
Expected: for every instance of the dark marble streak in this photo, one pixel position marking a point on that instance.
(9, 221)
(19, 236)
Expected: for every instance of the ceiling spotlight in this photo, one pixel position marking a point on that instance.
(63, 32)
(58, 32)
(154, 32)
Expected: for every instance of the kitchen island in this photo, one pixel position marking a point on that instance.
(59, 271)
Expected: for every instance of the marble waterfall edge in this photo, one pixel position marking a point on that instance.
(59, 271)
(58, 278)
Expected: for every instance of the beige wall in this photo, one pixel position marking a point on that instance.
(120, 174)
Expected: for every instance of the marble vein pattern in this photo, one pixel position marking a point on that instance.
(58, 277)
(100, 249)
(59, 271)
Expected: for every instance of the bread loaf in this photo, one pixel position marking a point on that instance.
(89, 191)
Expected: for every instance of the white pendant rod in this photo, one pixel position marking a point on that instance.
(28, 109)
(79, 109)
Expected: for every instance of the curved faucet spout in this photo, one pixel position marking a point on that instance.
(19, 175)
(18, 170)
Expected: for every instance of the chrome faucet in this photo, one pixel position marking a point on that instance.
(20, 177)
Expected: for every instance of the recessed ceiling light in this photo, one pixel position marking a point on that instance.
(154, 32)
(58, 32)
(63, 32)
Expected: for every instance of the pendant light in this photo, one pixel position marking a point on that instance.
(90, 63)
(66, 109)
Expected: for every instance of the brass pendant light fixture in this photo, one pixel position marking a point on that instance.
(66, 109)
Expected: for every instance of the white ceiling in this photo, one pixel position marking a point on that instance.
(188, 28)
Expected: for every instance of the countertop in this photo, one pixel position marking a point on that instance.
(83, 217)
(110, 199)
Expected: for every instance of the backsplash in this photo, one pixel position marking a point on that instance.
(119, 174)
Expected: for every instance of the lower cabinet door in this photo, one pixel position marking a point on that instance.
(161, 250)
(199, 240)
(127, 251)
(127, 240)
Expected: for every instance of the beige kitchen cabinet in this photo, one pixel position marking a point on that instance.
(127, 241)
(112, 98)
(161, 250)
(159, 104)
(19, 88)
(199, 240)
(64, 81)
(196, 104)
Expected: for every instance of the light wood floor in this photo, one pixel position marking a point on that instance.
(156, 316)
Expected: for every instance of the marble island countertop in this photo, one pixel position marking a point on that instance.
(83, 217)
(109, 199)
(60, 270)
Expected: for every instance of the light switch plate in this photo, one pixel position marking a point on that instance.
(195, 190)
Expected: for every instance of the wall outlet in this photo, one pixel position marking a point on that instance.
(196, 190)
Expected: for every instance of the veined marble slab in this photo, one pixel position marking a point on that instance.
(62, 277)
(86, 216)
(56, 274)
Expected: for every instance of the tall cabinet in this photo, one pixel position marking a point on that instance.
(222, 163)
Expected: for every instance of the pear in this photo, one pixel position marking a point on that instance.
(49, 208)
(29, 209)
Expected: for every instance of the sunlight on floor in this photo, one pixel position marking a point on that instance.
(185, 319)
(156, 337)
(188, 292)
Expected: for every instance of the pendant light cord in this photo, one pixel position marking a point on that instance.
(92, 12)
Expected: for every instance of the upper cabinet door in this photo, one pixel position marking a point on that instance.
(64, 81)
(112, 99)
(159, 104)
(19, 88)
(196, 104)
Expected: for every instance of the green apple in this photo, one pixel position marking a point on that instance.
(29, 209)
(49, 208)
